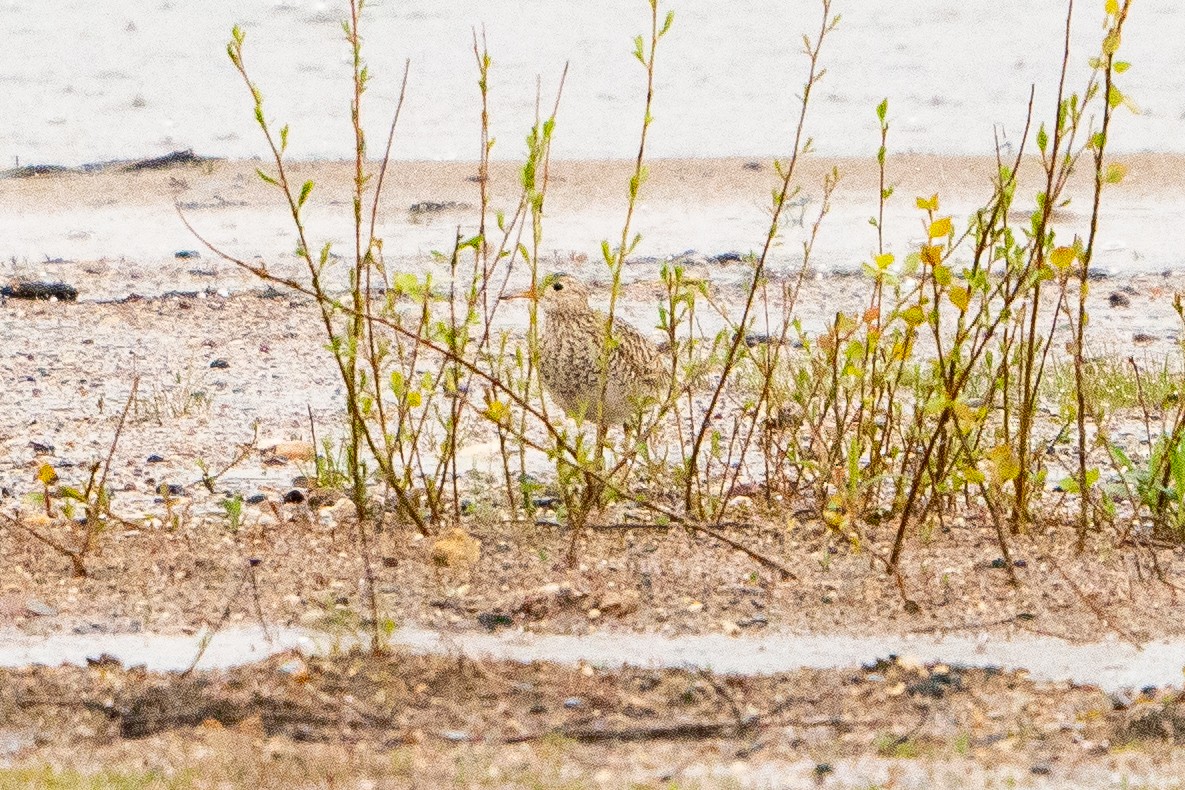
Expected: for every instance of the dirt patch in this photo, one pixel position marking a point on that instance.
(414, 718)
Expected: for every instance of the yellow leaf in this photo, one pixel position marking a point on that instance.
(1004, 464)
(972, 474)
(1111, 43)
(942, 275)
(932, 254)
(965, 416)
(960, 298)
(1062, 257)
(47, 475)
(914, 315)
(930, 204)
(884, 260)
(1113, 7)
(940, 228)
(414, 399)
(497, 411)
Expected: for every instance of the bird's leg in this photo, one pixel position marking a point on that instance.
(590, 502)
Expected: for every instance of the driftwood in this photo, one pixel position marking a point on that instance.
(186, 157)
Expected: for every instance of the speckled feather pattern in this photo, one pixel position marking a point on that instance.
(570, 351)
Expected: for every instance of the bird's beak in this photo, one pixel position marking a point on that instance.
(530, 293)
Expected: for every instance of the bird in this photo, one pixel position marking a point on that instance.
(574, 365)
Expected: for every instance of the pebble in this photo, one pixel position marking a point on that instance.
(40, 608)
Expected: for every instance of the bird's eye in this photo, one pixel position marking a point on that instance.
(558, 286)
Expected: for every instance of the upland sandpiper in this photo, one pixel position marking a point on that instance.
(573, 361)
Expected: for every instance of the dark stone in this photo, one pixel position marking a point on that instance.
(220, 364)
(494, 620)
(186, 254)
(42, 449)
(256, 499)
(154, 459)
(186, 157)
(294, 497)
(23, 289)
(1116, 299)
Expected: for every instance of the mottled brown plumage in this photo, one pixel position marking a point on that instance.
(571, 355)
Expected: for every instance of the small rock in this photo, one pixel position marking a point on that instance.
(1116, 299)
(293, 451)
(695, 607)
(186, 254)
(456, 736)
(220, 364)
(40, 608)
(154, 459)
(1042, 768)
(256, 499)
(573, 703)
(593, 614)
(457, 549)
(294, 497)
(619, 603)
(491, 621)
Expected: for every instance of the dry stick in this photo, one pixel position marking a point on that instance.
(561, 444)
(313, 440)
(1095, 609)
(1087, 256)
(75, 560)
(92, 516)
(78, 556)
(208, 637)
(730, 359)
(1028, 382)
(679, 731)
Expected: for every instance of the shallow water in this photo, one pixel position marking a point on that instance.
(1110, 665)
(91, 81)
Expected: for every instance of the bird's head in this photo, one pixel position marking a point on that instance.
(557, 292)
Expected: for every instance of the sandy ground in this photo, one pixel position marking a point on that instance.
(412, 722)
(223, 362)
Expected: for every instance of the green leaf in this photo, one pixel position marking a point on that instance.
(1042, 138)
(266, 178)
(305, 190)
(1114, 97)
(882, 110)
(1114, 173)
(1121, 66)
(666, 25)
